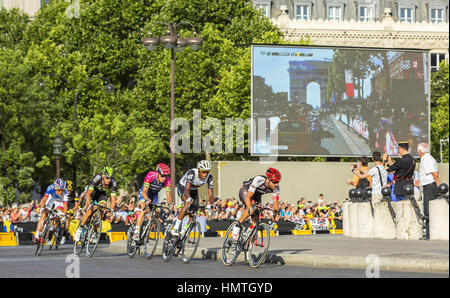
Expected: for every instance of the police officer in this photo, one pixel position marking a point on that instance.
(403, 169)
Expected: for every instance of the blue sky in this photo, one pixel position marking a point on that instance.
(274, 68)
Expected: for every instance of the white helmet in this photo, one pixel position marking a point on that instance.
(204, 165)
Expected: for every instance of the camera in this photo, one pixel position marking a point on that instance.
(354, 166)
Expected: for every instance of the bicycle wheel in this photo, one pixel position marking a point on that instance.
(131, 244)
(168, 244)
(93, 236)
(57, 236)
(42, 239)
(151, 237)
(191, 242)
(258, 245)
(230, 250)
(79, 245)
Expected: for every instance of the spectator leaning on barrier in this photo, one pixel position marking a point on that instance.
(378, 176)
(356, 182)
(403, 168)
(15, 214)
(429, 179)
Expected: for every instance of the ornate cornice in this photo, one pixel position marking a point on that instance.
(385, 33)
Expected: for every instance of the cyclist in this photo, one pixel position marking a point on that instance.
(253, 189)
(55, 193)
(72, 205)
(153, 183)
(97, 193)
(188, 190)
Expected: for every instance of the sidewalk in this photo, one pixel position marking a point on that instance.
(337, 251)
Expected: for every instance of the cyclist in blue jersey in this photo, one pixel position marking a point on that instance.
(55, 193)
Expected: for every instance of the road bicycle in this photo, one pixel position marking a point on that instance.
(187, 243)
(91, 236)
(47, 231)
(57, 235)
(149, 236)
(254, 244)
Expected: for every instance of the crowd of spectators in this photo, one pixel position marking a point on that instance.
(18, 213)
(221, 209)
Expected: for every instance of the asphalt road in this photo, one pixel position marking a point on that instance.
(20, 262)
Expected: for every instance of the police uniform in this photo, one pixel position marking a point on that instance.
(403, 169)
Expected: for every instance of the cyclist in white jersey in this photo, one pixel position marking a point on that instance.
(187, 189)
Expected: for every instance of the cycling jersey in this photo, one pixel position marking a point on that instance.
(53, 198)
(154, 186)
(258, 186)
(98, 190)
(192, 177)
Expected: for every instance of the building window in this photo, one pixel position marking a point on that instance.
(263, 6)
(365, 14)
(436, 59)
(406, 15)
(302, 12)
(437, 16)
(335, 13)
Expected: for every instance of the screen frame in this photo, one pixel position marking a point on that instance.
(252, 129)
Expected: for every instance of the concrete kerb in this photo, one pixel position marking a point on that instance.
(318, 261)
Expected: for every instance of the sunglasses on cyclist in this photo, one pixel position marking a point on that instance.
(206, 172)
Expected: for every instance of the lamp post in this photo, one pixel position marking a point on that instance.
(57, 150)
(109, 88)
(173, 42)
(442, 142)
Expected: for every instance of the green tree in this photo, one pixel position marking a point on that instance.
(439, 111)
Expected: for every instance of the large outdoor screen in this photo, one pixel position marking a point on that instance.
(320, 101)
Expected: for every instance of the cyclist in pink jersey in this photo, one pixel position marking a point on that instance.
(153, 183)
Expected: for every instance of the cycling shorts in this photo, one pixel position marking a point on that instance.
(256, 198)
(193, 193)
(152, 196)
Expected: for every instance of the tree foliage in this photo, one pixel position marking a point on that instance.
(130, 128)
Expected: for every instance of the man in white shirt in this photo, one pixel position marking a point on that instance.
(429, 179)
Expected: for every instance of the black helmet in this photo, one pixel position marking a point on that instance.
(351, 193)
(386, 191)
(359, 193)
(443, 188)
(408, 189)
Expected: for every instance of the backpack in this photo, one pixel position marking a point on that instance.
(363, 184)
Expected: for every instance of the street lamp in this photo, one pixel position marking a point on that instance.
(57, 150)
(108, 88)
(174, 43)
(442, 142)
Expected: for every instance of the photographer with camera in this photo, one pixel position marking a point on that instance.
(403, 169)
(357, 182)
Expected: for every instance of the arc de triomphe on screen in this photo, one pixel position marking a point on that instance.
(301, 73)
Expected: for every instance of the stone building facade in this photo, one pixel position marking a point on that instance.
(419, 24)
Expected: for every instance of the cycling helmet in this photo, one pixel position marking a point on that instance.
(69, 185)
(204, 165)
(163, 169)
(274, 175)
(108, 172)
(59, 184)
